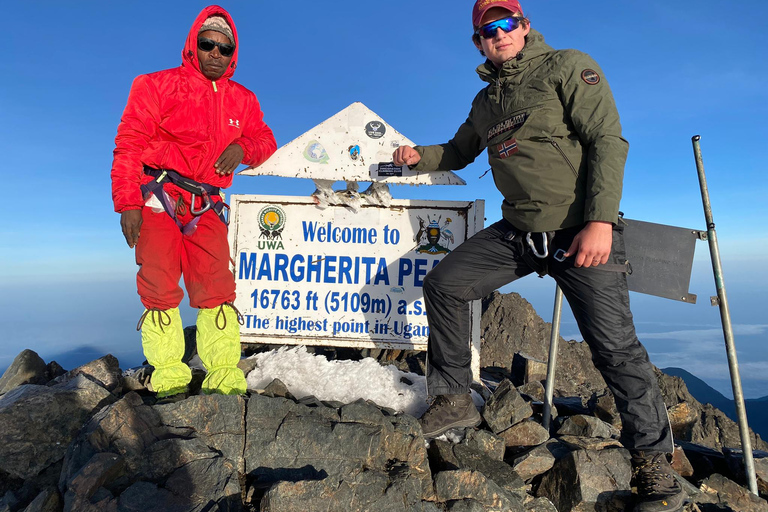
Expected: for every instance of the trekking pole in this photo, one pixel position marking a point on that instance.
(552, 361)
(725, 316)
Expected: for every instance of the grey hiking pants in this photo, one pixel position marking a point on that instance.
(598, 298)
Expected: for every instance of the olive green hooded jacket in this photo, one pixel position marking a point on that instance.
(553, 136)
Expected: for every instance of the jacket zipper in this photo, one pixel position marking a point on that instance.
(216, 120)
(565, 157)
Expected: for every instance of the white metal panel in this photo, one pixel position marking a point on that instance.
(348, 147)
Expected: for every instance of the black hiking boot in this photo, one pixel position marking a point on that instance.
(657, 489)
(447, 412)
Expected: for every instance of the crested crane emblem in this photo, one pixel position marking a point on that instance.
(431, 233)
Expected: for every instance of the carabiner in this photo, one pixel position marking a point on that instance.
(204, 209)
(533, 245)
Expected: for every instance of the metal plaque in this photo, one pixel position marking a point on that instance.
(661, 258)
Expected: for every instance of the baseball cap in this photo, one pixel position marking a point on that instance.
(481, 6)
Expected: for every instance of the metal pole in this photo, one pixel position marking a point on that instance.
(552, 362)
(725, 317)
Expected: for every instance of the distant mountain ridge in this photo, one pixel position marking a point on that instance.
(757, 408)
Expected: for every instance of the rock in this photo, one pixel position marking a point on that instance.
(589, 480)
(27, 368)
(500, 472)
(277, 388)
(293, 442)
(540, 505)
(509, 325)
(505, 408)
(102, 468)
(247, 365)
(701, 424)
(535, 391)
(589, 443)
(527, 369)
(735, 461)
(587, 426)
(38, 422)
(603, 406)
(368, 490)
(728, 493)
(485, 442)
(49, 500)
(704, 461)
(680, 462)
(570, 406)
(192, 451)
(465, 506)
(683, 418)
(104, 371)
(466, 484)
(525, 434)
(539, 460)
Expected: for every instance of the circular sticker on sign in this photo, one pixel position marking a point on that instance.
(590, 76)
(375, 129)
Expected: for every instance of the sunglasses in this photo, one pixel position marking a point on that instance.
(488, 31)
(207, 45)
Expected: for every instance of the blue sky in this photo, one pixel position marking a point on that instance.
(676, 69)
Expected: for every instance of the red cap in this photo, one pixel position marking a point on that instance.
(481, 6)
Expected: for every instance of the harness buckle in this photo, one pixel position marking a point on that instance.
(559, 255)
(532, 245)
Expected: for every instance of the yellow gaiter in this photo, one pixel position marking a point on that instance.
(218, 345)
(162, 338)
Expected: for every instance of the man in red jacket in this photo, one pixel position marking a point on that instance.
(183, 133)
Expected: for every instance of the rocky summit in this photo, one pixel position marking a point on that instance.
(95, 439)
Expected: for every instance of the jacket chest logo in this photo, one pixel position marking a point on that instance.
(234, 122)
(509, 124)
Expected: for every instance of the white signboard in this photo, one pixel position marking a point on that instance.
(353, 145)
(339, 278)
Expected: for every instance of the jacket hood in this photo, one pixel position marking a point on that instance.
(534, 47)
(189, 54)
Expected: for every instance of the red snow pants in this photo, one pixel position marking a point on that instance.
(164, 255)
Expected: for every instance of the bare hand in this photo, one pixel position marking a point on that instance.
(229, 160)
(130, 221)
(592, 245)
(405, 155)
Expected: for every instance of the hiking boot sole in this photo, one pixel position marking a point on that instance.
(466, 423)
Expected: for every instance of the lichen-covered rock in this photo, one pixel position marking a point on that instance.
(104, 371)
(505, 408)
(368, 490)
(26, 368)
(291, 442)
(180, 456)
(523, 435)
(466, 484)
(38, 422)
(589, 480)
(582, 425)
(730, 496)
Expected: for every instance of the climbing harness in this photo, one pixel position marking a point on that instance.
(208, 196)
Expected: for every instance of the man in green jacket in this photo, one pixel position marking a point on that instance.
(553, 138)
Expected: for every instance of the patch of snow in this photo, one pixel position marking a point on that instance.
(345, 381)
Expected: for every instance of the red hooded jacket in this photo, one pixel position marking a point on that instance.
(178, 119)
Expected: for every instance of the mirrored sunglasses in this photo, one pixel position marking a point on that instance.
(488, 31)
(207, 45)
